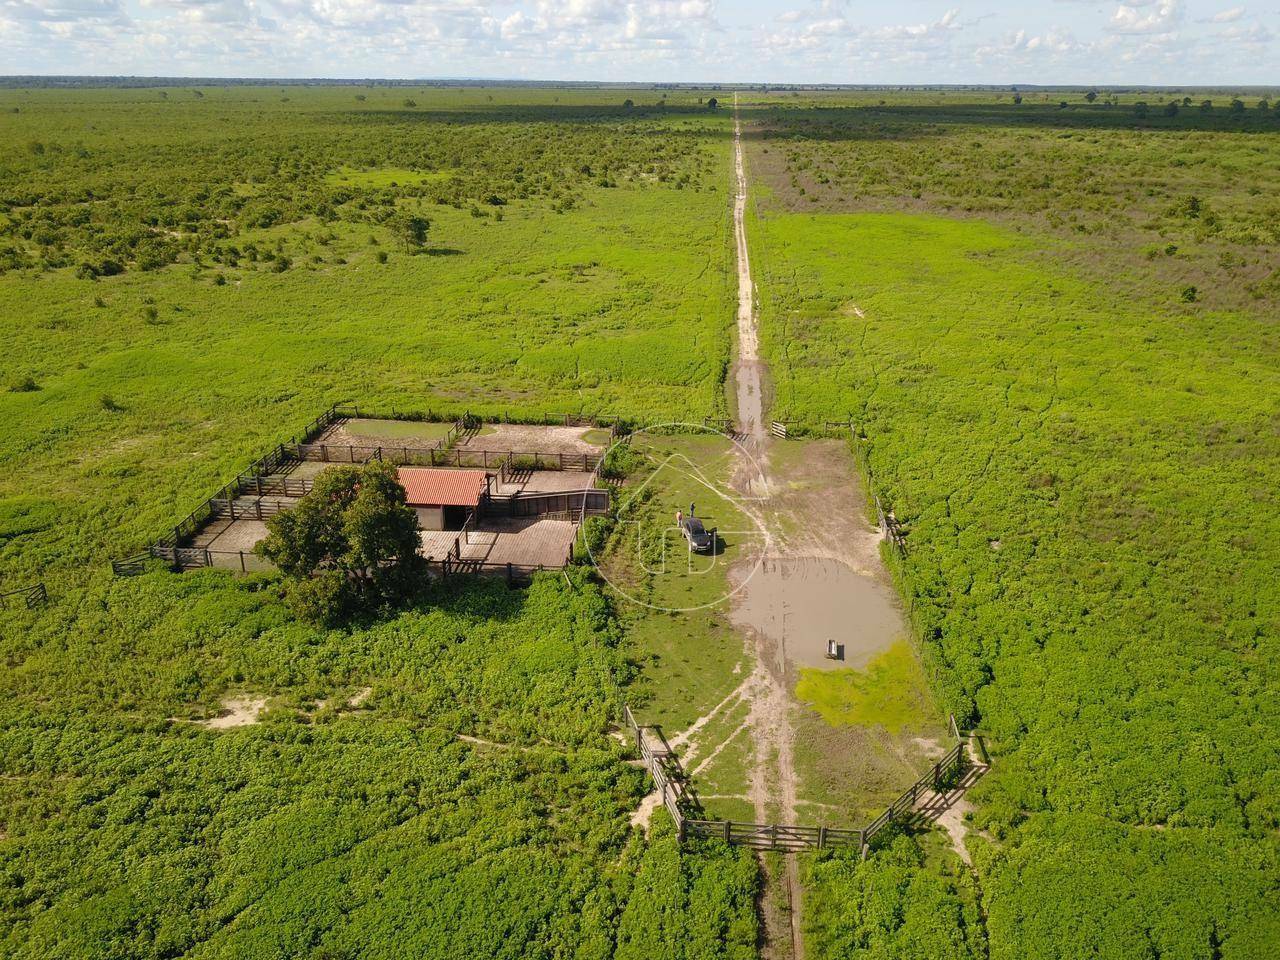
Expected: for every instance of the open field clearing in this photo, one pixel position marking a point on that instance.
(595, 282)
(1085, 474)
(1027, 358)
(188, 768)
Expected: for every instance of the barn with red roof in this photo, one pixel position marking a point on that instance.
(443, 498)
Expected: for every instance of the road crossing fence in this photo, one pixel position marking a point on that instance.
(681, 803)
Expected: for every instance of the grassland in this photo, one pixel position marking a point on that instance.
(439, 784)
(131, 396)
(186, 280)
(1084, 460)
(1054, 325)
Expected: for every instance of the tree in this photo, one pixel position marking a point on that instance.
(1140, 109)
(1206, 106)
(1017, 99)
(713, 104)
(350, 545)
(410, 229)
(1237, 106)
(1091, 96)
(628, 103)
(1171, 108)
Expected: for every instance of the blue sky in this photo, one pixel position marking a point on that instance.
(811, 41)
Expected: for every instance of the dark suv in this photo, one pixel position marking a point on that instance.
(697, 535)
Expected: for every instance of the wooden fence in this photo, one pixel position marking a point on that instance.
(570, 503)
(664, 768)
(30, 597)
(354, 412)
(437, 457)
(889, 524)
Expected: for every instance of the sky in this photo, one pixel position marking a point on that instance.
(1169, 42)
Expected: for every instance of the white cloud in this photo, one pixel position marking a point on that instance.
(1136, 18)
(54, 11)
(1136, 41)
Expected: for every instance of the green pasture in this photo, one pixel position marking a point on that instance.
(1053, 322)
(891, 692)
(672, 600)
(1083, 481)
(131, 830)
(149, 390)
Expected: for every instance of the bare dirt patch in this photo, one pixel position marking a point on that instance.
(347, 433)
(819, 508)
(528, 438)
(235, 712)
(231, 535)
(359, 697)
(547, 481)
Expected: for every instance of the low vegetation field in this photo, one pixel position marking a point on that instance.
(1083, 457)
(186, 284)
(1050, 317)
(436, 784)
(186, 278)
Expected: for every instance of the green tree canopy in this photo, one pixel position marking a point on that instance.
(351, 544)
(410, 229)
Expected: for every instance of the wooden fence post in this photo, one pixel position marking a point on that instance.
(822, 837)
(728, 827)
(242, 569)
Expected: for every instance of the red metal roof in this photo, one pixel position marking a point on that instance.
(431, 487)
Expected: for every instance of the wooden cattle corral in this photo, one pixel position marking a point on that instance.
(223, 530)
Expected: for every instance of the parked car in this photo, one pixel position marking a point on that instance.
(699, 539)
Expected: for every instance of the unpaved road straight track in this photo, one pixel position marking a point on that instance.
(773, 777)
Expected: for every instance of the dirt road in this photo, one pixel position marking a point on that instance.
(773, 778)
(747, 373)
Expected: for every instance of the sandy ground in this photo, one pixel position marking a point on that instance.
(235, 712)
(525, 541)
(231, 535)
(547, 481)
(525, 438)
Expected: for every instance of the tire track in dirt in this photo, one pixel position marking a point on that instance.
(773, 777)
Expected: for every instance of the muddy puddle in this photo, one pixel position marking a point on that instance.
(799, 604)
